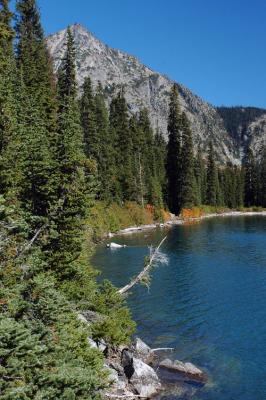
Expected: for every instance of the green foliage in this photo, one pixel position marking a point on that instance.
(188, 181)
(117, 325)
(212, 179)
(173, 163)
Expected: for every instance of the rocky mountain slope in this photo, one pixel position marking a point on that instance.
(146, 88)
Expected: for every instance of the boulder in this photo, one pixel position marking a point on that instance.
(142, 350)
(127, 363)
(186, 369)
(144, 380)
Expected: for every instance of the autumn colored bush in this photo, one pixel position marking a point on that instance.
(189, 213)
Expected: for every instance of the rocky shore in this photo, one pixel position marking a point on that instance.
(138, 371)
(179, 221)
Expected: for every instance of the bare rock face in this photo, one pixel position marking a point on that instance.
(146, 88)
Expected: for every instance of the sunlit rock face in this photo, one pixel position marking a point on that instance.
(147, 88)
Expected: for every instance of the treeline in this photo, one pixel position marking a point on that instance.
(129, 157)
(134, 164)
(47, 186)
(194, 181)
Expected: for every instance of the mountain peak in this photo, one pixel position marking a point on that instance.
(147, 88)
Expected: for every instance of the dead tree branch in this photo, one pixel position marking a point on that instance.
(145, 272)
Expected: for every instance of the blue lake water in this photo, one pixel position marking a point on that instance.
(208, 303)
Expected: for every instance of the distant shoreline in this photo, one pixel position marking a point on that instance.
(180, 221)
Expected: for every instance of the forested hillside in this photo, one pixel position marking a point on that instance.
(60, 156)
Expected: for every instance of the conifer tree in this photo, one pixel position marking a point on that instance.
(200, 176)
(173, 162)
(262, 179)
(72, 195)
(7, 74)
(119, 123)
(188, 182)
(212, 179)
(88, 121)
(35, 64)
(106, 158)
(29, 177)
(250, 179)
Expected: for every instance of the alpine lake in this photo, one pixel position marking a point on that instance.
(208, 302)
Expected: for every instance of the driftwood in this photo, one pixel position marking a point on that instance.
(162, 349)
(145, 272)
(124, 396)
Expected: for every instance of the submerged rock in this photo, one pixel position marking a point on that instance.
(186, 369)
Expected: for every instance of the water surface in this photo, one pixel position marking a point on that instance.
(208, 303)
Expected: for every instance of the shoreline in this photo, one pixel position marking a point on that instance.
(181, 221)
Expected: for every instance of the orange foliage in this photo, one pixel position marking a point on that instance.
(194, 212)
(150, 208)
(166, 216)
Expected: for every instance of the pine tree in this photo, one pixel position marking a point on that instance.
(200, 176)
(212, 179)
(67, 85)
(72, 192)
(29, 176)
(188, 182)
(262, 179)
(106, 159)
(35, 64)
(119, 123)
(88, 121)
(250, 179)
(173, 162)
(7, 76)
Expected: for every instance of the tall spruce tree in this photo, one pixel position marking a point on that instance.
(188, 181)
(29, 177)
(173, 161)
(7, 75)
(250, 171)
(88, 121)
(119, 123)
(72, 194)
(200, 176)
(262, 179)
(35, 64)
(212, 178)
(106, 158)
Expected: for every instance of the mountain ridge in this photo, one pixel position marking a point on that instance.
(147, 88)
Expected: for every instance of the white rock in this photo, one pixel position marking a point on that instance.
(144, 380)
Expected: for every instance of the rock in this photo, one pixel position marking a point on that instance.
(115, 245)
(92, 317)
(141, 347)
(127, 363)
(100, 345)
(142, 350)
(119, 369)
(82, 318)
(144, 379)
(187, 369)
(112, 375)
(92, 343)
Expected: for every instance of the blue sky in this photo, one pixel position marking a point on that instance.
(216, 48)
